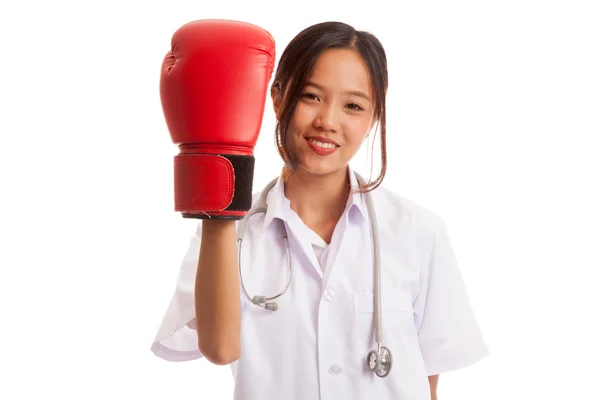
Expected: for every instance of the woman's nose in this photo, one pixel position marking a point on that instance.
(327, 119)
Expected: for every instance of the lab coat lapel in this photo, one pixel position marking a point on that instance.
(344, 243)
(337, 241)
(298, 229)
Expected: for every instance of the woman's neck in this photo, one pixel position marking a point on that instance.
(318, 199)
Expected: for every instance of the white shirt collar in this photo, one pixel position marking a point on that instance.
(279, 206)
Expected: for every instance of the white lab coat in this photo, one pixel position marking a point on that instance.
(315, 346)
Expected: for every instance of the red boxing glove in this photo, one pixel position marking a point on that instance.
(213, 89)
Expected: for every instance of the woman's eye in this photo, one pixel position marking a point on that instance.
(355, 107)
(310, 96)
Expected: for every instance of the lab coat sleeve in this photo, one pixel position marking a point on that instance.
(449, 334)
(176, 339)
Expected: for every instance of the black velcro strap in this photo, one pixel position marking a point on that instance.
(243, 168)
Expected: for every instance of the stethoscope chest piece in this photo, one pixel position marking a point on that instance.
(380, 363)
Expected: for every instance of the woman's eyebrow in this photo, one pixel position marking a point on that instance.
(358, 93)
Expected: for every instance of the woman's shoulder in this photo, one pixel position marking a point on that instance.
(398, 209)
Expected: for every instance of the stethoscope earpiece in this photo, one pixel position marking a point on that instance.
(259, 300)
(262, 301)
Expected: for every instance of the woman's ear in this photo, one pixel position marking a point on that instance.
(276, 97)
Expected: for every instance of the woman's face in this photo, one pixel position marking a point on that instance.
(334, 114)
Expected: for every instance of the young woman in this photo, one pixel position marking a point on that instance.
(340, 289)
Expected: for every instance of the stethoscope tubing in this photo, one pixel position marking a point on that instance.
(267, 302)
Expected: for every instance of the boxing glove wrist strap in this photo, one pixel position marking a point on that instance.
(215, 186)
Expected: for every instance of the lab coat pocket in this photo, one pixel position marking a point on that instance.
(396, 318)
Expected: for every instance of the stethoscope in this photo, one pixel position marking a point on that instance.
(378, 361)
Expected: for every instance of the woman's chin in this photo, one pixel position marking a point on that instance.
(321, 168)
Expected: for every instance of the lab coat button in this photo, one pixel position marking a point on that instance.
(329, 294)
(335, 370)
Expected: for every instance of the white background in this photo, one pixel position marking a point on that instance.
(493, 123)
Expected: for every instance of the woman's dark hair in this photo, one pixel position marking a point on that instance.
(297, 64)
